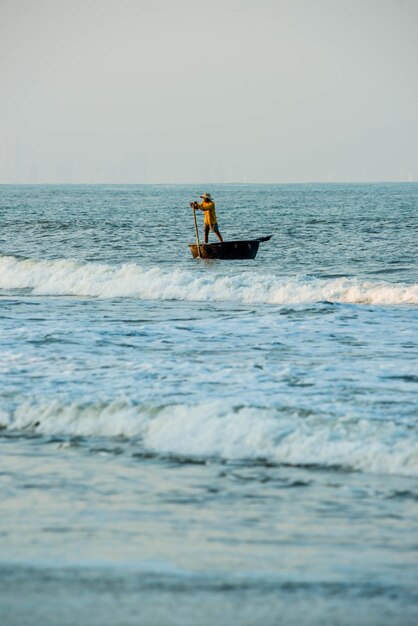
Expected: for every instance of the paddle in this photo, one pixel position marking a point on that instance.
(196, 229)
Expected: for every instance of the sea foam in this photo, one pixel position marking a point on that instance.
(230, 432)
(69, 277)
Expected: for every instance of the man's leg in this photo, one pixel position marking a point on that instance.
(206, 230)
(217, 233)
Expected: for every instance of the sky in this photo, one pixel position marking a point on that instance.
(229, 91)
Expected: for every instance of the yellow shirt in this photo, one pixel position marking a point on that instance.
(209, 208)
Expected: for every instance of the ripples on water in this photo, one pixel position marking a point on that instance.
(238, 435)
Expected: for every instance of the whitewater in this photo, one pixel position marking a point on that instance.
(239, 434)
(231, 433)
(69, 277)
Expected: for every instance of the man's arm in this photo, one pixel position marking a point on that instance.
(196, 205)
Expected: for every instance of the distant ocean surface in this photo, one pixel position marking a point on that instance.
(209, 442)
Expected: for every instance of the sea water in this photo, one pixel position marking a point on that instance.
(208, 442)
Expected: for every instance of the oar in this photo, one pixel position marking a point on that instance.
(197, 231)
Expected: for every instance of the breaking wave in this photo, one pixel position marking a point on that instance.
(215, 431)
(67, 277)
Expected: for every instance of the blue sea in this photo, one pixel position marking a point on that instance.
(195, 443)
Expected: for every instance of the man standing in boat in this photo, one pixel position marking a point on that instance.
(210, 221)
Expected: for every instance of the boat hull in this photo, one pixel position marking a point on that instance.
(228, 250)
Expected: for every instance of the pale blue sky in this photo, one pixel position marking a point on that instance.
(141, 91)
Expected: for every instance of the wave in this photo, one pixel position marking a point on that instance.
(68, 277)
(215, 431)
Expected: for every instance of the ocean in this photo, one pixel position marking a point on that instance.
(209, 442)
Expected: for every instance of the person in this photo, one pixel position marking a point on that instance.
(210, 221)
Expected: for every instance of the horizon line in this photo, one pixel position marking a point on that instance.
(232, 183)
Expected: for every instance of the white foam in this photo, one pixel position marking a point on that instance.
(67, 277)
(214, 430)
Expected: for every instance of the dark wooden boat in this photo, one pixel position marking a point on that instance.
(228, 249)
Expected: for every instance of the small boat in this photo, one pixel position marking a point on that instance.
(246, 249)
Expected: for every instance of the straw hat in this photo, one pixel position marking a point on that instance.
(207, 196)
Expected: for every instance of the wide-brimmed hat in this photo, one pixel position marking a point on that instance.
(207, 196)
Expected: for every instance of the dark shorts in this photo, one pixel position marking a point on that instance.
(212, 227)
